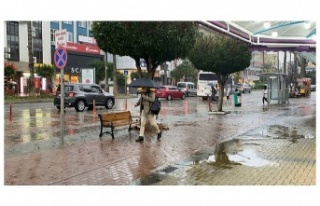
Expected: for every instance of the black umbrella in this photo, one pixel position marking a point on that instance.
(144, 82)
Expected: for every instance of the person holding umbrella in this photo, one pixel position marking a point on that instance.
(147, 97)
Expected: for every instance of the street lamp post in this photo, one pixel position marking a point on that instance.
(106, 85)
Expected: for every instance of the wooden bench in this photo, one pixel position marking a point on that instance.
(115, 119)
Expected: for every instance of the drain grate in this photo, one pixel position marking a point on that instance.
(169, 169)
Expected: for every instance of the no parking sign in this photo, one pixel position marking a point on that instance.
(60, 57)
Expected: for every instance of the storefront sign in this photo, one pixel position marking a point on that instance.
(83, 48)
(75, 70)
(87, 39)
(87, 76)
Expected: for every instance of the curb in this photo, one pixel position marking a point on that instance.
(22, 101)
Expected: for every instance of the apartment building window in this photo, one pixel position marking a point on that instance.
(90, 24)
(82, 24)
(52, 35)
(13, 39)
(90, 33)
(70, 36)
(67, 22)
(37, 40)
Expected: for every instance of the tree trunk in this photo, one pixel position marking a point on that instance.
(137, 60)
(302, 62)
(115, 84)
(31, 64)
(295, 70)
(221, 82)
(285, 63)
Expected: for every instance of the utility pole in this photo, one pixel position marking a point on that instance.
(31, 63)
(115, 83)
(106, 86)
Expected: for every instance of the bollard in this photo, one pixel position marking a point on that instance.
(209, 103)
(94, 106)
(126, 105)
(10, 113)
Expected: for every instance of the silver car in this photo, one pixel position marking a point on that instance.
(243, 88)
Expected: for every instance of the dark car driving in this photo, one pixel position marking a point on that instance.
(80, 96)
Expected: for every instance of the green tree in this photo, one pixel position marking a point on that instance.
(135, 75)
(120, 79)
(9, 69)
(110, 70)
(222, 55)
(186, 71)
(302, 63)
(267, 67)
(155, 42)
(312, 74)
(45, 70)
(100, 69)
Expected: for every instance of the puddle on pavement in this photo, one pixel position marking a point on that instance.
(280, 132)
(229, 153)
(223, 155)
(283, 132)
(155, 177)
(246, 157)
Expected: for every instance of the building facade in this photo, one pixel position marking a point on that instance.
(81, 49)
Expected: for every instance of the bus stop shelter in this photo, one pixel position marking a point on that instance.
(278, 87)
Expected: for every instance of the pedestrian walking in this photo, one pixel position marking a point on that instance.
(265, 94)
(147, 97)
(213, 93)
(14, 89)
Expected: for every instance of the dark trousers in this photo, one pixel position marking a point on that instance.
(264, 99)
(213, 97)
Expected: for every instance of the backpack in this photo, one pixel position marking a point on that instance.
(155, 106)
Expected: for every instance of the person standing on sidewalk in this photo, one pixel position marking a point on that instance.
(213, 93)
(147, 97)
(265, 94)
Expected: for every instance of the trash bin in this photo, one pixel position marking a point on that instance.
(237, 99)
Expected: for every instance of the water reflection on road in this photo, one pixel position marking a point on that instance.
(38, 125)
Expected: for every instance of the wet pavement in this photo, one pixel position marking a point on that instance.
(252, 145)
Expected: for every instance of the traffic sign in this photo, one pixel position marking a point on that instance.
(125, 72)
(61, 37)
(60, 57)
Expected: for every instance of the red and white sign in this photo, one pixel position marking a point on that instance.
(61, 38)
(83, 48)
(87, 39)
(87, 75)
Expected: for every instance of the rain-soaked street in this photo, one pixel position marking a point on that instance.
(251, 145)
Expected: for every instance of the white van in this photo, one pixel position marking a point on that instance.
(188, 87)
